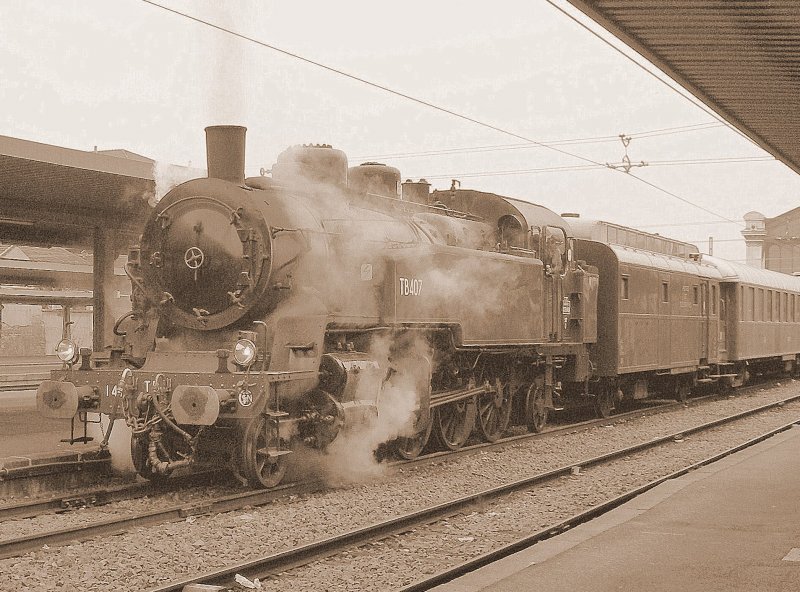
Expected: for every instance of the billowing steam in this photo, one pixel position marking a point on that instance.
(352, 455)
(119, 444)
(167, 176)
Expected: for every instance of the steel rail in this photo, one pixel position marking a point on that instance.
(13, 547)
(315, 551)
(107, 495)
(20, 545)
(89, 497)
(567, 524)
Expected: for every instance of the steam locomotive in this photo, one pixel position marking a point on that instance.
(271, 313)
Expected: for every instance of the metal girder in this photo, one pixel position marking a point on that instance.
(739, 57)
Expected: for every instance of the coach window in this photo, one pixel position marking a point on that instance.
(625, 289)
(769, 305)
(696, 294)
(751, 292)
(704, 300)
(760, 305)
(713, 299)
(741, 302)
(784, 307)
(664, 291)
(776, 305)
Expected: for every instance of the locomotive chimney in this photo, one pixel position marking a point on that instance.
(225, 152)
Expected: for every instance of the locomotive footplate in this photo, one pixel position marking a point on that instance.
(68, 392)
(202, 398)
(197, 397)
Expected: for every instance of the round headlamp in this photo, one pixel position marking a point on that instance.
(67, 351)
(244, 352)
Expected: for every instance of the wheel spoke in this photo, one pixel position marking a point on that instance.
(260, 468)
(494, 412)
(453, 423)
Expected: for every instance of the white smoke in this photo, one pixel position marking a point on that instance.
(351, 457)
(167, 176)
(119, 444)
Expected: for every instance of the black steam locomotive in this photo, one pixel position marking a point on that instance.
(273, 313)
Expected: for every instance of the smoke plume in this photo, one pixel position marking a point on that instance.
(167, 176)
(119, 444)
(351, 458)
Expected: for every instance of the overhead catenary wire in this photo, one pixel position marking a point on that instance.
(570, 168)
(438, 107)
(681, 224)
(561, 142)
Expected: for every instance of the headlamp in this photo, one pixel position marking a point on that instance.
(244, 352)
(67, 351)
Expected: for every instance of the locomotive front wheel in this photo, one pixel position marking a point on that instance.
(139, 447)
(494, 412)
(535, 407)
(453, 422)
(409, 448)
(260, 466)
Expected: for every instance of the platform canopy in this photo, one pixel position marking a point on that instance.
(740, 57)
(51, 195)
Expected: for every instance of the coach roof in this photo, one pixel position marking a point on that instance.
(666, 263)
(746, 274)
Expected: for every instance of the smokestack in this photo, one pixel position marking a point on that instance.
(225, 152)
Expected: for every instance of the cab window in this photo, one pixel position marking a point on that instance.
(554, 249)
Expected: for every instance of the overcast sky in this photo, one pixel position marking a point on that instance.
(126, 74)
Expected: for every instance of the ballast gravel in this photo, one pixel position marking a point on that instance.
(146, 557)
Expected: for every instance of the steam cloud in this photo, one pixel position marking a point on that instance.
(167, 176)
(119, 444)
(351, 457)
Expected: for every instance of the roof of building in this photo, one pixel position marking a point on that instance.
(739, 57)
(50, 195)
(44, 255)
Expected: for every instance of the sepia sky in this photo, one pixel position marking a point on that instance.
(127, 74)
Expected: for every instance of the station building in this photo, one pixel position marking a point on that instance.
(773, 243)
(66, 219)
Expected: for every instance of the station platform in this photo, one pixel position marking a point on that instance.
(733, 525)
(33, 459)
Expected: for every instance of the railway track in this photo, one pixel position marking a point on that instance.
(106, 495)
(102, 495)
(576, 519)
(270, 564)
(25, 373)
(17, 546)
